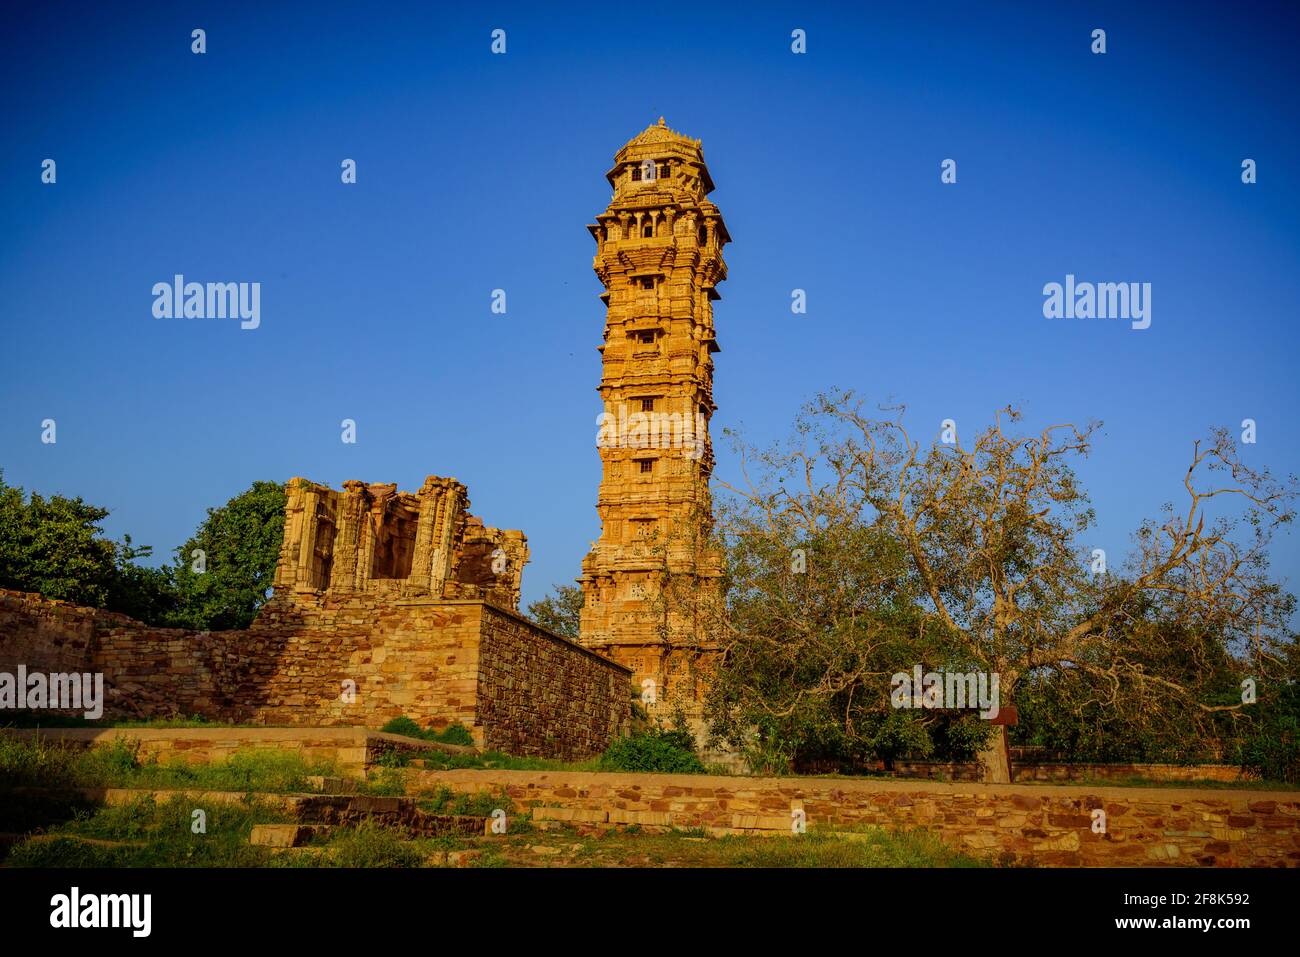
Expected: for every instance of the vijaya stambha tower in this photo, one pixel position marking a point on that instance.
(659, 257)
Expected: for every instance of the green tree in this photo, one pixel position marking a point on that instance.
(224, 572)
(146, 594)
(978, 557)
(55, 546)
(560, 611)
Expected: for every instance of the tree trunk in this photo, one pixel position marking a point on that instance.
(995, 759)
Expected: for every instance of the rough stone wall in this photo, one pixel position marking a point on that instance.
(511, 683)
(147, 671)
(1043, 824)
(541, 694)
(1028, 771)
(350, 749)
(47, 636)
(413, 658)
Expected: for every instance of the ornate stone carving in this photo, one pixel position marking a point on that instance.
(654, 501)
(374, 539)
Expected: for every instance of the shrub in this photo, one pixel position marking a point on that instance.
(1272, 748)
(654, 750)
(405, 726)
(454, 733)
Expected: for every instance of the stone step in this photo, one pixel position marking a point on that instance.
(345, 810)
(571, 814)
(286, 835)
(332, 785)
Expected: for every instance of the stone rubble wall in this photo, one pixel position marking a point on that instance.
(1041, 824)
(540, 694)
(1029, 771)
(352, 750)
(510, 682)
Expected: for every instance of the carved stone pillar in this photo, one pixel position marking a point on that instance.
(347, 542)
(450, 505)
(286, 570)
(307, 545)
(431, 495)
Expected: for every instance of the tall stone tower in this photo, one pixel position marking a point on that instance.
(659, 257)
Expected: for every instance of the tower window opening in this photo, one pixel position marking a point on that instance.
(647, 466)
(703, 235)
(636, 173)
(647, 282)
(663, 171)
(647, 337)
(647, 405)
(647, 230)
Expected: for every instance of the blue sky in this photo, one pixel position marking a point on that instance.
(478, 172)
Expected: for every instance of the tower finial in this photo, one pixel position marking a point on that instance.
(661, 121)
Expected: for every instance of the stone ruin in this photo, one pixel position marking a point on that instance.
(385, 604)
(372, 539)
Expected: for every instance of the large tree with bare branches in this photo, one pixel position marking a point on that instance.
(859, 550)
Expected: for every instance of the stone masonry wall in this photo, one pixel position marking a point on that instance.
(1029, 771)
(148, 671)
(512, 683)
(541, 694)
(415, 658)
(1029, 823)
(350, 749)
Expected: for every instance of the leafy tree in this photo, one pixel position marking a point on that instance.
(560, 611)
(146, 594)
(55, 546)
(224, 572)
(977, 557)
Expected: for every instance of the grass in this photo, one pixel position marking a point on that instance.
(479, 804)
(445, 761)
(42, 719)
(690, 848)
(454, 733)
(147, 833)
(41, 763)
(1248, 784)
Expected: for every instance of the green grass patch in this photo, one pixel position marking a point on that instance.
(656, 749)
(147, 833)
(447, 761)
(454, 733)
(479, 804)
(42, 763)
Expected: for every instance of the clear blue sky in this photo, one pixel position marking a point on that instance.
(479, 172)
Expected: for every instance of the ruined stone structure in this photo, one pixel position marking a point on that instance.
(659, 257)
(375, 540)
(386, 604)
(1027, 824)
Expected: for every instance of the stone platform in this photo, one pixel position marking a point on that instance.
(1025, 823)
(352, 749)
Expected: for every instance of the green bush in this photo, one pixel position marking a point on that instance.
(654, 750)
(454, 733)
(404, 726)
(1272, 748)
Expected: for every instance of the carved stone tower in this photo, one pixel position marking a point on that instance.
(659, 257)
